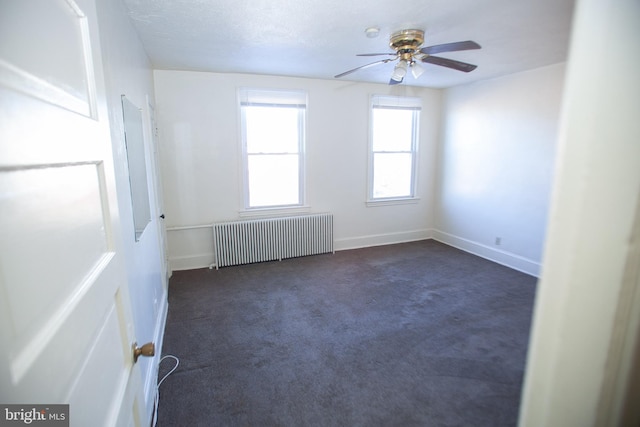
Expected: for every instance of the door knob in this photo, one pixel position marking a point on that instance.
(148, 349)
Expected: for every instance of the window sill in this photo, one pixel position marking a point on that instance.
(392, 202)
(273, 212)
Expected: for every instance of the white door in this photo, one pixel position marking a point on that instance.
(65, 318)
(157, 181)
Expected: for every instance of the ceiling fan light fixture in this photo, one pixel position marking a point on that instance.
(416, 70)
(399, 71)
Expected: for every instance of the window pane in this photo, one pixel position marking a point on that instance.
(392, 129)
(271, 129)
(273, 180)
(391, 175)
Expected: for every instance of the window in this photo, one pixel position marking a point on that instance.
(393, 147)
(273, 124)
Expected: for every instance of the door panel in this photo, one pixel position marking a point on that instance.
(103, 368)
(67, 232)
(47, 52)
(65, 317)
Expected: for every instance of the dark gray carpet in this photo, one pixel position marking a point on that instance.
(414, 334)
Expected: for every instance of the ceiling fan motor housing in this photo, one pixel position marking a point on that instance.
(406, 42)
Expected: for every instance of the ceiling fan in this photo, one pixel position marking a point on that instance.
(406, 44)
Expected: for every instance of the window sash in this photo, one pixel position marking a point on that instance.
(391, 174)
(263, 138)
(267, 171)
(258, 176)
(387, 179)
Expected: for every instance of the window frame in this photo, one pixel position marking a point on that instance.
(273, 98)
(398, 103)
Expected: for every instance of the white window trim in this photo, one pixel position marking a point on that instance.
(392, 201)
(252, 96)
(400, 102)
(272, 212)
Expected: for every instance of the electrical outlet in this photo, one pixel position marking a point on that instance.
(498, 241)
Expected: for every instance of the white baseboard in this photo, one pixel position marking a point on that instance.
(204, 260)
(517, 262)
(508, 259)
(191, 262)
(381, 239)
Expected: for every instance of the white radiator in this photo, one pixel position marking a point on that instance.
(258, 240)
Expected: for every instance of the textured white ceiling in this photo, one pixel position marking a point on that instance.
(320, 38)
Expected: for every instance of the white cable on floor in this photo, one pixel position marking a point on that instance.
(155, 411)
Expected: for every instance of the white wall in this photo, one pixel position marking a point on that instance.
(128, 72)
(495, 165)
(200, 159)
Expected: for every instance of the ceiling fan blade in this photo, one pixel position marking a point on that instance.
(361, 67)
(449, 63)
(395, 82)
(376, 54)
(450, 47)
